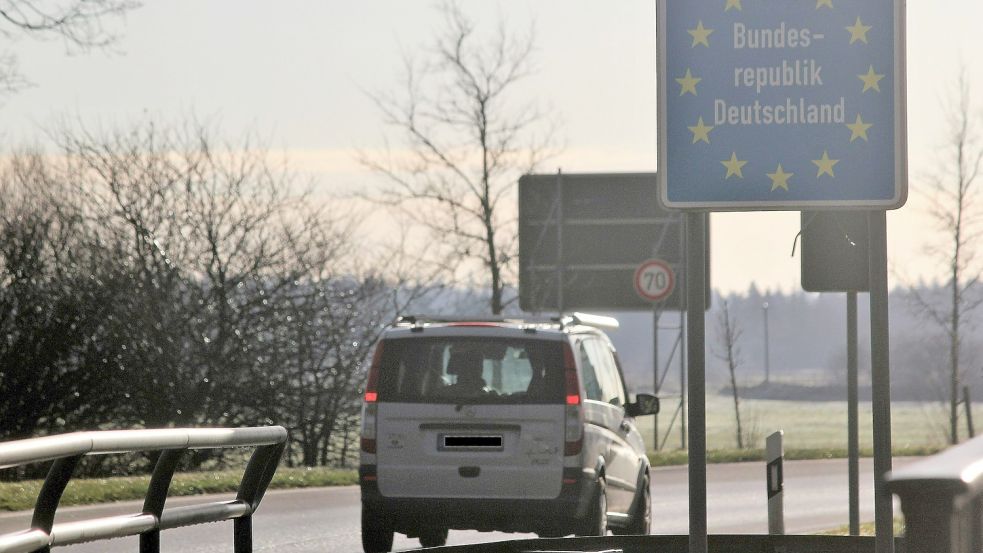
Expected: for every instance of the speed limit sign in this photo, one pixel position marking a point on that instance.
(654, 280)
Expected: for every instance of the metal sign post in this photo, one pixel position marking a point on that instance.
(655, 373)
(853, 430)
(835, 258)
(696, 231)
(880, 380)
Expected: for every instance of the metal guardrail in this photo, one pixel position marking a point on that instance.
(942, 500)
(68, 449)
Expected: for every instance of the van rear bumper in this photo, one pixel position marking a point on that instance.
(556, 517)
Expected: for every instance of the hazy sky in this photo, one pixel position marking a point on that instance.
(295, 70)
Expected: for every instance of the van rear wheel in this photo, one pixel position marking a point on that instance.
(641, 518)
(377, 531)
(433, 537)
(597, 519)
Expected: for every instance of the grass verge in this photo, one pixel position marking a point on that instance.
(17, 496)
(866, 529)
(681, 456)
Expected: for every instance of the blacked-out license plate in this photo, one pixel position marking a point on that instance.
(471, 442)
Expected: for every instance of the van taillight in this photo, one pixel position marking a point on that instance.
(370, 408)
(372, 385)
(574, 425)
(367, 434)
(570, 376)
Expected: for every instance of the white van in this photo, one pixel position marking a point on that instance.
(496, 424)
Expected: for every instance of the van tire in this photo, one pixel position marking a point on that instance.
(433, 537)
(597, 519)
(377, 531)
(641, 516)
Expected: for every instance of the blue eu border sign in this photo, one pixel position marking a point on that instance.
(781, 104)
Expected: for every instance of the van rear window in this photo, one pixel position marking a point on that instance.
(471, 370)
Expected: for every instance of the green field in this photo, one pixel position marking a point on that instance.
(808, 425)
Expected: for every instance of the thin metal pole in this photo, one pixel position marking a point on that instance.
(853, 428)
(655, 372)
(682, 379)
(968, 405)
(880, 381)
(764, 310)
(560, 268)
(696, 330)
(682, 342)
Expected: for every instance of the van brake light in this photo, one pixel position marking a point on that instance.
(372, 385)
(574, 425)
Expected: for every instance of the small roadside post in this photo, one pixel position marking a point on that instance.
(775, 456)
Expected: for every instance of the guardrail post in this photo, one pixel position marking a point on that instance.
(243, 534)
(54, 486)
(150, 542)
(259, 472)
(153, 504)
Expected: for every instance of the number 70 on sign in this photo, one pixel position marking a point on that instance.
(654, 280)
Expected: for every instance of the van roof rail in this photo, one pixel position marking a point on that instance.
(587, 319)
(572, 319)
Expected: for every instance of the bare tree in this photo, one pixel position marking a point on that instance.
(56, 291)
(954, 209)
(80, 24)
(730, 333)
(467, 143)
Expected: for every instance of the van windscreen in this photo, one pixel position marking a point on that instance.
(471, 370)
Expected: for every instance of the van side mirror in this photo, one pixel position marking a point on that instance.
(645, 404)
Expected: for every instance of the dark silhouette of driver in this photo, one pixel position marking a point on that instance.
(467, 366)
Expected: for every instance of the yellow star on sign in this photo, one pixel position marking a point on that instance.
(779, 179)
(871, 80)
(689, 83)
(859, 129)
(858, 31)
(733, 4)
(821, 3)
(701, 132)
(700, 35)
(825, 165)
(734, 166)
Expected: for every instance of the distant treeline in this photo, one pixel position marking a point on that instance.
(807, 342)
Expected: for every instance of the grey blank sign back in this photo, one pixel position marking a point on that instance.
(835, 251)
(607, 225)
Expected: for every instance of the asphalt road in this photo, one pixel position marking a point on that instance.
(326, 520)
